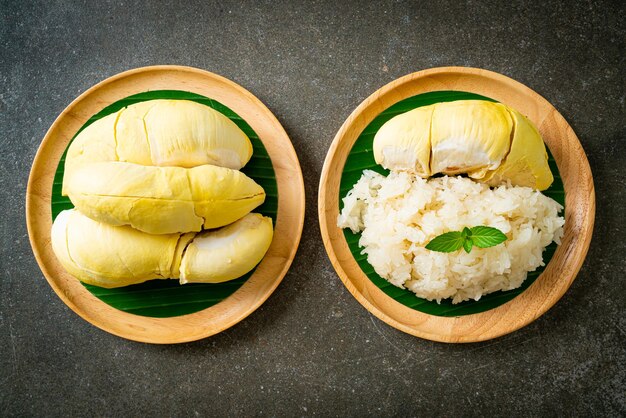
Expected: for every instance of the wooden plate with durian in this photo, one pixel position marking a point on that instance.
(158, 194)
(429, 192)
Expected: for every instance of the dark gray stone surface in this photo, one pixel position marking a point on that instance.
(311, 349)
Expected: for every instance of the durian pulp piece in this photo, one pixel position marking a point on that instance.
(227, 253)
(163, 200)
(469, 136)
(113, 256)
(527, 162)
(180, 133)
(161, 133)
(403, 142)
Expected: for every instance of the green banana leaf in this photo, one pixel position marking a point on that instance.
(361, 158)
(167, 298)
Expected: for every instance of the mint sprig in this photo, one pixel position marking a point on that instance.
(480, 236)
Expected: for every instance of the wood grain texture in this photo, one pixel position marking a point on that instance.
(269, 272)
(579, 213)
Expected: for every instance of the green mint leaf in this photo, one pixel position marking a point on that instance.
(446, 243)
(480, 236)
(486, 236)
(467, 245)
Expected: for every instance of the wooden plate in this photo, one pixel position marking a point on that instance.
(579, 213)
(270, 271)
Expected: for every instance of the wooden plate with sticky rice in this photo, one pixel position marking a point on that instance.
(163, 311)
(494, 314)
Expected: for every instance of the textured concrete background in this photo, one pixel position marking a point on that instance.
(311, 349)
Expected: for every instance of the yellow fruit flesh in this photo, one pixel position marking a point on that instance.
(161, 200)
(227, 253)
(180, 133)
(164, 133)
(110, 256)
(115, 256)
(489, 141)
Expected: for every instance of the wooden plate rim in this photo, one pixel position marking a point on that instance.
(269, 273)
(559, 273)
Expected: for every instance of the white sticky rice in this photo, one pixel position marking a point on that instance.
(399, 214)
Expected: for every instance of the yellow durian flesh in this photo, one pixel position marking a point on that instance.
(527, 162)
(161, 133)
(490, 142)
(469, 136)
(227, 253)
(180, 133)
(403, 142)
(112, 256)
(162, 200)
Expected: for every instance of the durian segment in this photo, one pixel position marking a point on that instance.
(469, 136)
(112, 256)
(403, 142)
(163, 200)
(180, 133)
(527, 162)
(162, 133)
(227, 253)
